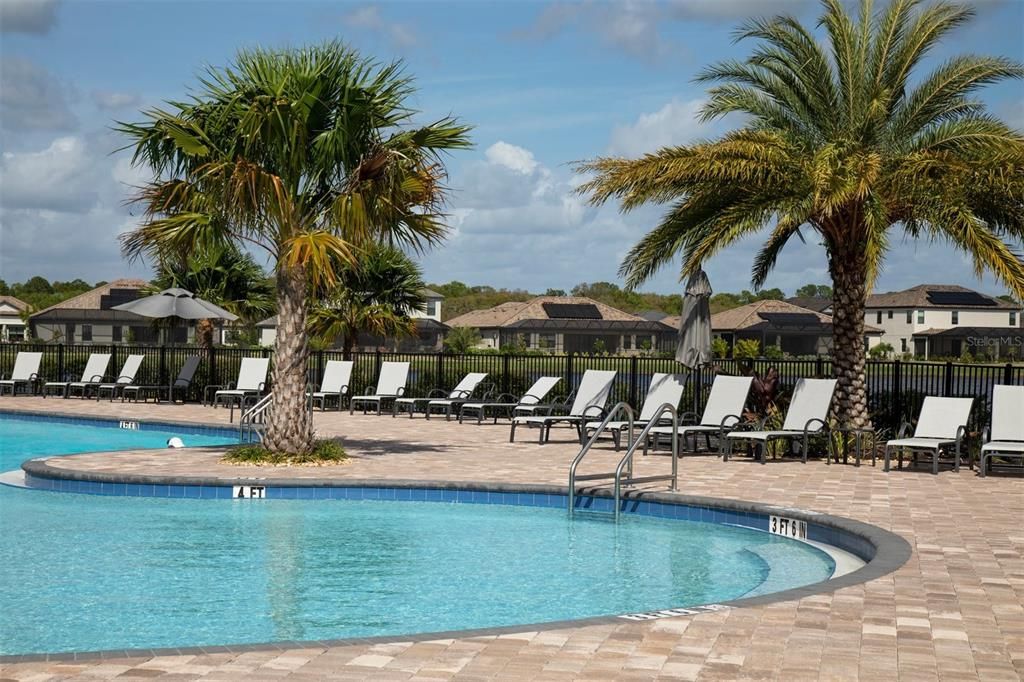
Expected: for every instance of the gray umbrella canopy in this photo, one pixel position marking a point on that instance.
(175, 303)
(694, 347)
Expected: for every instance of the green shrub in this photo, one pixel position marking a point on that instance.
(719, 347)
(881, 351)
(746, 349)
(324, 452)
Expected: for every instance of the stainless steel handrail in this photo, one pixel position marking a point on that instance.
(612, 414)
(627, 459)
(249, 417)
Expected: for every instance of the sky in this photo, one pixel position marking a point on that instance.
(543, 85)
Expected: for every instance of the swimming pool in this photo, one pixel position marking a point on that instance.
(95, 573)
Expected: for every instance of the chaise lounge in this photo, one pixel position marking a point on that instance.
(390, 385)
(942, 422)
(722, 412)
(591, 398)
(24, 373)
(807, 416)
(664, 389)
(1006, 435)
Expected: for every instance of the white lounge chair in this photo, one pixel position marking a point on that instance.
(1006, 435)
(590, 401)
(942, 422)
(529, 403)
(337, 375)
(24, 372)
(252, 381)
(664, 388)
(93, 374)
(390, 385)
(722, 412)
(438, 398)
(181, 383)
(126, 378)
(807, 416)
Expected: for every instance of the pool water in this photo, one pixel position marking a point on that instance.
(88, 572)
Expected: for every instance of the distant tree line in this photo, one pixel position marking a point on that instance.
(40, 293)
(462, 298)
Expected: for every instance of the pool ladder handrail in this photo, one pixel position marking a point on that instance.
(253, 417)
(619, 408)
(627, 459)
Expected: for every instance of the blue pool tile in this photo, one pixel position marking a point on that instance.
(192, 492)
(305, 493)
(322, 494)
(417, 495)
(403, 494)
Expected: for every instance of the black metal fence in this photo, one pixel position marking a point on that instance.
(895, 388)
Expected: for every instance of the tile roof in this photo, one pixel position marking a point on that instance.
(15, 303)
(507, 314)
(748, 316)
(819, 303)
(917, 297)
(90, 300)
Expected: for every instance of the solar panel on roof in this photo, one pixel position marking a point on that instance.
(571, 311)
(790, 319)
(959, 298)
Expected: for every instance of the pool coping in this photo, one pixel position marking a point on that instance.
(890, 552)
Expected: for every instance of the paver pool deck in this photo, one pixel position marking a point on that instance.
(954, 611)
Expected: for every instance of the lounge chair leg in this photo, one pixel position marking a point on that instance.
(512, 433)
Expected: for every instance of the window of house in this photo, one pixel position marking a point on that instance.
(903, 345)
(920, 317)
(431, 307)
(86, 332)
(546, 341)
(1013, 319)
(910, 316)
(115, 334)
(890, 314)
(956, 317)
(878, 317)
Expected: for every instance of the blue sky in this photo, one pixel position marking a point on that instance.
(544, 84)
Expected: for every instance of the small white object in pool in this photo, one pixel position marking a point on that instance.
(175, 442)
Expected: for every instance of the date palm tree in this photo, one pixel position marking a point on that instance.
(845, 140)
(375, 295)
(307, 154)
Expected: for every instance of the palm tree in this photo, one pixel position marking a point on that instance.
(307, 154)
(841, 139)
(373, 296)
(222, 274)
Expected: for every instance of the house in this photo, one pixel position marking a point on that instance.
(89, 319)
(566, 324)
(945, 320)
(819, 304)
(790, 328)
(12, 327)
(429, 330)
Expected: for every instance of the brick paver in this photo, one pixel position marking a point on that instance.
(954, 611)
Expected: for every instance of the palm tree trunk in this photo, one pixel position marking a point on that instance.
(849, 296)
(347, 343)
(204, 334)
(290, 426)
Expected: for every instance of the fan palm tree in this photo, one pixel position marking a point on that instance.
(222, 274)
(373, 296)
(845, 140)
(307, 154)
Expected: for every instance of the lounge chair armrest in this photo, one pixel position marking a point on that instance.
(462, 394)
(596, 411)
(437, 393)
(961, 434)
(807, 427)
(400, 392)
(96, 378)
(262, 387)
(343, 390)
(370, 390)
(730, 420)
(508, 398)
(688, 417)
(904, 430)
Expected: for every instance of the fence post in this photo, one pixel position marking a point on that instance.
(377, 362)
(947, 387)
(819, 367)
(319, 367)
(897, 395)
(634, 371)
(1008, 374)
(506, 374)
(568, 373)
(212, 378)
(162, 378)
(60, 363)
(440, 372)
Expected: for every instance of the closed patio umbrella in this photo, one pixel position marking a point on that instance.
(694, 347)
(175, 302)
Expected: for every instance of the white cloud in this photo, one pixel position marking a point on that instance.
(511, 156)
(733, 10)
(675, 123)
(58, 178)
(31, 98)
(62, 209)
(111, 100)
(27, 16)
(400, 36)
